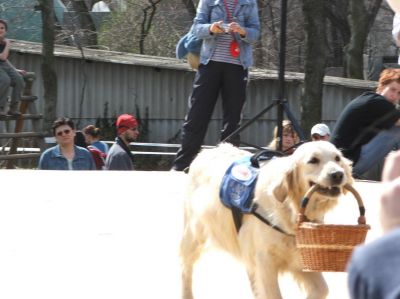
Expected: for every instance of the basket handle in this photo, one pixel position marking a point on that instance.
(303, 218)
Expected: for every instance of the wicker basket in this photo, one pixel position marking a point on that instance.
(328, 247)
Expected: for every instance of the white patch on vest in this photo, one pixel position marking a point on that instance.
(241, 172)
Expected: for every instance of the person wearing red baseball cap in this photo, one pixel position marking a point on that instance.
(120, 157)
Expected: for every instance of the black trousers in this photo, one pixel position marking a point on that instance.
(212, 79)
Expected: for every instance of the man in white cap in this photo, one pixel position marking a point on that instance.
(320, 132)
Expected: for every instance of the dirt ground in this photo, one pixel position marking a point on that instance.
(116, 235)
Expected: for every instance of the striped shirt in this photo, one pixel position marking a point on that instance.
(222, 51)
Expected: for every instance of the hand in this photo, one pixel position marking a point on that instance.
(390, 205)
(22, 72)
(391, 169)
(235, 27)
(390, 197)
(216, 27)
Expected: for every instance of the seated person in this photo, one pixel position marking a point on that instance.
(320, 132)
(66, 155)
(289, 138)
(92, 137)
(98, 156)
(120, 157)
(368, 127)
(9, 76)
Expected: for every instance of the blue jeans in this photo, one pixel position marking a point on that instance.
(10, 77)
(376, 150)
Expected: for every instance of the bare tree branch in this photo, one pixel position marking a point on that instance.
(147, 22)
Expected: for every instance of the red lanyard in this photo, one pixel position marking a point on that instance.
(229, 15)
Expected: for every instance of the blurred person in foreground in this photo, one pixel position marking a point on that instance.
(119, 156)
(66, 155)
(373, 268)
(368, 128)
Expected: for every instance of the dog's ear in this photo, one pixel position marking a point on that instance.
(348, 168)
(284, 184)
(280, 190)
(295, 190)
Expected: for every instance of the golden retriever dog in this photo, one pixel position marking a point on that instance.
(281, 184)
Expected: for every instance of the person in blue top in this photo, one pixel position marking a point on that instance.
(66, 155)
(228, 28)
(92, 137)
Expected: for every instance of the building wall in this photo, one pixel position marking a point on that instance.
(128, 83)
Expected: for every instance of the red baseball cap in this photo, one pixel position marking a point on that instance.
(125, 122)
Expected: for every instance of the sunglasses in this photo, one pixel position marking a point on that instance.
(66, 132)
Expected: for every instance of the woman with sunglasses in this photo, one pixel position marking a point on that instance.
(66, 155)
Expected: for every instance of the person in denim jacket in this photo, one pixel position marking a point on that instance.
(228, 29)
(66, 155)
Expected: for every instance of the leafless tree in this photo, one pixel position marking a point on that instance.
(147, 22)
(48, 63)
(361, 18)
(191, 7)
(315, 62)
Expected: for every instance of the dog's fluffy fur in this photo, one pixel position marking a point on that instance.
(282, 183)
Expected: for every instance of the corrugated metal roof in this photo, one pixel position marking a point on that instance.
(124, 81)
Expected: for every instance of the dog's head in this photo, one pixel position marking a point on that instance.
(322, 163)
(318, 162)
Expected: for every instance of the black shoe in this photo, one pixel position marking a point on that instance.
(175, 168)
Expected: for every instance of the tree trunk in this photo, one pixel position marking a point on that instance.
(315, 62)
(48, 64)
(361, 20)
(147, 22)
(191, 7)
(85, 30)
(336, 11)
(258, 49)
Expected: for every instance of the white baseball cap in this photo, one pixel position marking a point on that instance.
(320, 129)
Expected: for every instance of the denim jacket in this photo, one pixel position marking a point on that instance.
(52, 159)
(246, 14)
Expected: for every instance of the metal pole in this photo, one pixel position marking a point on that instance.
(281, 76)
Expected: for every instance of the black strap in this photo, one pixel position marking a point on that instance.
(237, 216)
(266, 221)
(264, 155)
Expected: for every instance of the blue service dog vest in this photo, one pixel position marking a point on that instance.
(238, 183)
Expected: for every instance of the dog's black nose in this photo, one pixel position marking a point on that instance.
(336, 177)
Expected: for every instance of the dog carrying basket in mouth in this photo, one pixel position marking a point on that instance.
(328, 247)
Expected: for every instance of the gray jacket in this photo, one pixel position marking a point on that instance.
(119, 157)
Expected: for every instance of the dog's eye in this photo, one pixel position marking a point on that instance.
(314, 161)
(337, 158)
